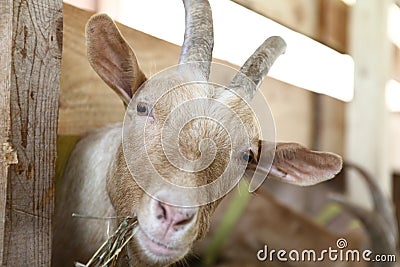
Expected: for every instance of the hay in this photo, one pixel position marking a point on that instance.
(107, 254)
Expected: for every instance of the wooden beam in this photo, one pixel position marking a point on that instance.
(30, 106)
(333, 24)
(5, 80)
(322, 20)
(395, 74)
(299, 15)
(325, 21)
(367, 115)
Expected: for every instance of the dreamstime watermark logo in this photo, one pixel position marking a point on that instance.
(179, 129)
(339, 253)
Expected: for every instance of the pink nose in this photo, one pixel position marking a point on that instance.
(176, 217)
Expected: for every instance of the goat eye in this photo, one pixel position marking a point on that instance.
(142, 109)
(247, 156)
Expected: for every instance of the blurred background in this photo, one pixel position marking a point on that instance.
(337, 88)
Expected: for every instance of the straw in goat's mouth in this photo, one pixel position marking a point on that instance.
(108, 253)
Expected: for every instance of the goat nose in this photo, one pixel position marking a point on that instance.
(177, 217)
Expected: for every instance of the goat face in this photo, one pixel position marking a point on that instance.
(188, 136)
(186, 143)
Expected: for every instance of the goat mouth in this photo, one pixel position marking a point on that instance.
(158, 250)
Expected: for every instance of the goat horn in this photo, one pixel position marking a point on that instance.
(382, 205)
(199, 38)
(257, 67)
(380, 222)
(382, 240)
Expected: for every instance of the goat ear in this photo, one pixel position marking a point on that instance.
(295, 164)
(112, 58)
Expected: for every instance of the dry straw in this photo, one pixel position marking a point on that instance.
(108, 253)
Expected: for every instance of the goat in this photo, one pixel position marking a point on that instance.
(99, 180)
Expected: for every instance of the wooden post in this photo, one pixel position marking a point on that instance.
(396, 199)
(5, 79)
(30, 52)
(367, 115)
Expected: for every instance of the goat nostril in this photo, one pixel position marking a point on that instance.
(183, 222)
(163, 214)
(174, 217)
(185, 219)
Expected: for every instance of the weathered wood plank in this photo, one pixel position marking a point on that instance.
(299, 15)
(35, 70)
(5, 75)
(322, 20)
(396, 63)
(326, 21)
(367, 116)
(333, 24)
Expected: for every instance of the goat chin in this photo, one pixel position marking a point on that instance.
(155, 252)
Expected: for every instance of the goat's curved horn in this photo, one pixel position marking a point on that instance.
(199, 38)
(382, 205)
(380, 223)
(382, 239)
(257, 67)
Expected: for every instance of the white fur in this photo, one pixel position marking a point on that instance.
(84, 186)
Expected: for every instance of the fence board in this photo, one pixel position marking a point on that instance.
(5, 72)
(34, 60)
